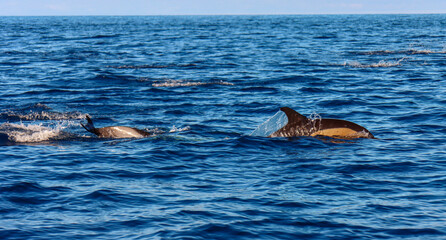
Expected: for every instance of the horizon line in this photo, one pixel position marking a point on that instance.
(222, 14)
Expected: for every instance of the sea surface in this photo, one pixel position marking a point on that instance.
(202, 84)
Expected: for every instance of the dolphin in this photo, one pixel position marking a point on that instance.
(115, 131)
(299, 125)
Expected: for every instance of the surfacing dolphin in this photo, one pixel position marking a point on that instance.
(115, 131)
(295, 125)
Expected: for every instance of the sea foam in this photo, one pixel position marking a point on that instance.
(31, 133)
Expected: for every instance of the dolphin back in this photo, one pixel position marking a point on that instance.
(114, 131)
(121, 132)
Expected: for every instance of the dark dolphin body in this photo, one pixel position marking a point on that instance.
(299, 125)
(115, 131)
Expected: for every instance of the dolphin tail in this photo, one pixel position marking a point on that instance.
(90, 126)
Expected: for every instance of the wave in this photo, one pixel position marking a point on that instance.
(380, 64)
(184, 83)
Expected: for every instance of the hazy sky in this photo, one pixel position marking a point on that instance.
(212, 7)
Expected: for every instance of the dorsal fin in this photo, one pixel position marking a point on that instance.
(297, 124)
(293, 116)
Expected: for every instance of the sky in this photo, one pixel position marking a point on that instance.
(215, 7)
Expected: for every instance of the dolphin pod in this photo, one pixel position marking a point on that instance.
(299, 125)
(293, 125)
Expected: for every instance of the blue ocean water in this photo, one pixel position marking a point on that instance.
(204, 83)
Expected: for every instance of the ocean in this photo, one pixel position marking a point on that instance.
(202, 85)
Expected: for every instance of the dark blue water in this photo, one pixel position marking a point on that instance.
(207, 82)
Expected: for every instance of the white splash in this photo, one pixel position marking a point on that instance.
(30, 133)
(380, 64)
(183, 83)
(271, 125)
(175, 129)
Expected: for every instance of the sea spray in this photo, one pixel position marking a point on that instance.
(27, 133)
(380, 64)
